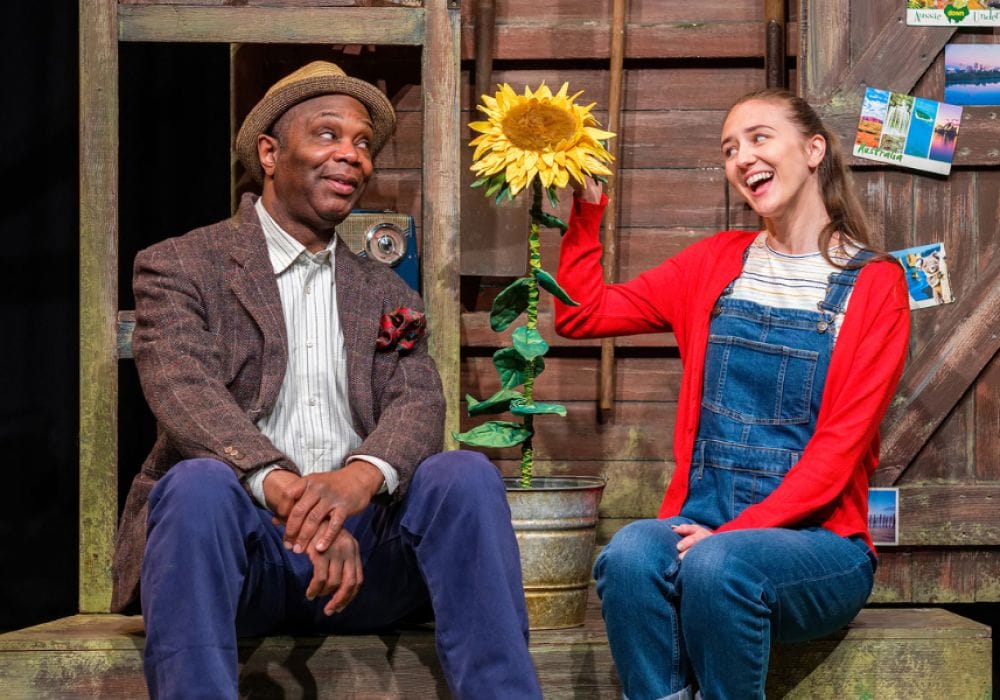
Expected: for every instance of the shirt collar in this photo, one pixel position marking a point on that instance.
(282, 249)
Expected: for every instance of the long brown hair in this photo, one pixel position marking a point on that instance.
(847, 217)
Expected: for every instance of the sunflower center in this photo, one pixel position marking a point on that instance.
(533, 126)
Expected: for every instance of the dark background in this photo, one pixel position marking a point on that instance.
(174, 132)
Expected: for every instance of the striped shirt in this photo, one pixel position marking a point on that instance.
(784, 281)
(311, 419)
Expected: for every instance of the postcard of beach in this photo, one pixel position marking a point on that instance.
(883, 515)
(953, 13)
(909, 131)
(927, 279)
(972, 74)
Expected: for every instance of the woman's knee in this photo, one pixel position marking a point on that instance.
(643, 549)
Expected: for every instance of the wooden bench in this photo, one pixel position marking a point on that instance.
(887, 653)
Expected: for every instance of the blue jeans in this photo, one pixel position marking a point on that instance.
(215, 568)
(717, 611)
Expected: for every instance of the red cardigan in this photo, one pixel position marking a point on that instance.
(829, 484)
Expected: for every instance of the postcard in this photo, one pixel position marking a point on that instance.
(909, 131)
(972, 74)
(926, 275)
(883, 515)
(951, 13)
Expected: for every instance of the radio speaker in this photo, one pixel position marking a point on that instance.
(386, 236)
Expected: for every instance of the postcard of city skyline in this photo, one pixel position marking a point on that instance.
(972, 74)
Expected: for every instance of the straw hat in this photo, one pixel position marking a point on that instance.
(312, 80)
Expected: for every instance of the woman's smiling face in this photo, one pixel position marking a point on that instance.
(768, 159)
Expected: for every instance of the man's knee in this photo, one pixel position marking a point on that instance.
(199, 485)
(461, 474)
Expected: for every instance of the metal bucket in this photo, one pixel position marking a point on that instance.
(555, 521)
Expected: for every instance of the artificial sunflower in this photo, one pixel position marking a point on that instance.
(536, 134)
(537, 139)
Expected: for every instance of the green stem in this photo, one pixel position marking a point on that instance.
(534, 264)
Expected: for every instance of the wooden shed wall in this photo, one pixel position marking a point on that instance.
(685, 63)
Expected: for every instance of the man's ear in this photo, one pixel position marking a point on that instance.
(267, 152)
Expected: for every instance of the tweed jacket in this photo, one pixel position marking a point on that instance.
(211, 350)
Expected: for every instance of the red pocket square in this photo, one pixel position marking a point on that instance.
(401, 329)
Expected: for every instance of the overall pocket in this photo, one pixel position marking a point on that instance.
(758, 383)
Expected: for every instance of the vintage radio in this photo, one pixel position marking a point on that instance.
(386, 236)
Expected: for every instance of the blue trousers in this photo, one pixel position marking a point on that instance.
(215, 568)
(717, 611)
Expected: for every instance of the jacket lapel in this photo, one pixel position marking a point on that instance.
(360, 309)
(251, 279)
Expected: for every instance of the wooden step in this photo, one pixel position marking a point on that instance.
(885, 653)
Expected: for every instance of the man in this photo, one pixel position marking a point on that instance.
(295, 483)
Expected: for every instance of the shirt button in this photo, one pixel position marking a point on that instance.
(312, 402)
(309, 290)
(309, 343)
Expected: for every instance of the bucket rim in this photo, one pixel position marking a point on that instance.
(556, 483)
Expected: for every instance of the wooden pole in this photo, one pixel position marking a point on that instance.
(441, 201)
(485, 30)
(774, 52)
(98, 300)
(607, 396)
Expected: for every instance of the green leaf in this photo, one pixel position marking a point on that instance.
(495, 433)
(549, 284)
(519, 408)
(553, 196)
(511, 366)
(529, 343)
(504, 193)
(480, 182)
(510, 303)
(498, 403)
(550, 221)
(496, 183)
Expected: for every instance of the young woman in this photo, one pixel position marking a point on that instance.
(793, 339)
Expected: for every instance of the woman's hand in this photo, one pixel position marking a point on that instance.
(691, 535)
(588, 191)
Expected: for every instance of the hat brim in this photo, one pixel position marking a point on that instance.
(266, 112)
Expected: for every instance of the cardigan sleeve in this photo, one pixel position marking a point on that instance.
(645, 304)
(865, 368)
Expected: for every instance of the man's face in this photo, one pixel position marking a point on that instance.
(319, 161)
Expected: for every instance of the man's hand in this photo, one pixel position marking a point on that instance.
(690, 536)
(337, 570)
(327, 500)
(282, 489)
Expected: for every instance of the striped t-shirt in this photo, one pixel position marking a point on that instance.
(784, 281)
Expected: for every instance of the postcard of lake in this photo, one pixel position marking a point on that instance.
(953, 13)
(972, 74)
(883, 515)
(912, 132)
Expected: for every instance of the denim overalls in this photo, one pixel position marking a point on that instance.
(765, 369)
(716, 611)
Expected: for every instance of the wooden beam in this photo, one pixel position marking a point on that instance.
(824, 54)
(441, 199)
(272, 25)
(98, 300)
(945, 369)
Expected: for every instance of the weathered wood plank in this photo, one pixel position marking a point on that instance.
(636, 431)
(98, 52)
(476, 332)
(634, 487)
(440, 271)
(867, 17)
(887, 197)
(882, 653)
(824, 52)
(649, 379)
(949, 514)
(935, 381)
(290, 25)
(281, 3)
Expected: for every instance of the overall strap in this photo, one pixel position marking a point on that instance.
(840, 283)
